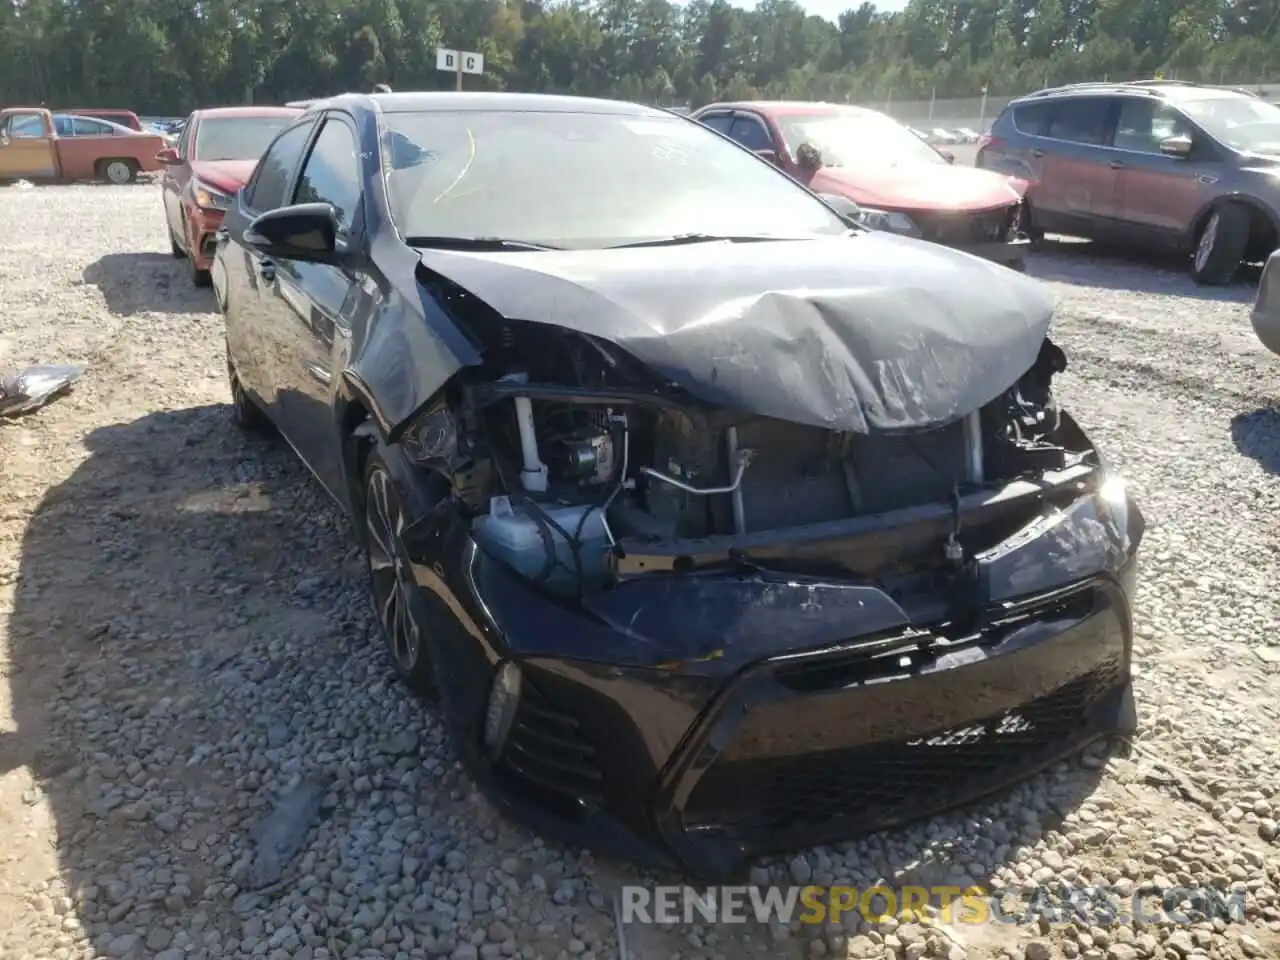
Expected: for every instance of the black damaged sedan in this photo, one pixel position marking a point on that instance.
(718, 525)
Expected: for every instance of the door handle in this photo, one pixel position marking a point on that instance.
(1116, 165)
(267, 270)
(1037, 154)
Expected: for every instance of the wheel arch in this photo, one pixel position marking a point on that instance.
(1260, 215)
(360, 436)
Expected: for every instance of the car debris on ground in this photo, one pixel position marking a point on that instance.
(32, 388)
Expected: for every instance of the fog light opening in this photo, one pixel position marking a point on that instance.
(504, 697)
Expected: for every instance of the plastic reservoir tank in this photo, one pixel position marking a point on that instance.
(510, 533)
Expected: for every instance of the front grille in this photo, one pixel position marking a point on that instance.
(878, 785)
(958, 229)
(546, 754)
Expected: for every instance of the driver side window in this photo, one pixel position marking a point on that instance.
(332, 173)
(1143, 124)
(276, 168)
(751, 133)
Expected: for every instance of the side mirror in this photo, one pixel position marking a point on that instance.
(948, 156)
(305, 231)
(808, 157)
(168, 156)
(769, 155)
(1177, 147)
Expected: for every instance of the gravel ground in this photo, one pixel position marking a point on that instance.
(184, 640)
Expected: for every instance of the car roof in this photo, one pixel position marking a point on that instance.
(456, 102)
(98, 111)
(247, 112)
(789, 107)
(1172, 90)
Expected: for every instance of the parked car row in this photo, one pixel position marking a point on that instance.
(714, 521)
(1191, 169)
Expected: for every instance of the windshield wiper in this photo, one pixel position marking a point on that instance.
(477, 243)
(681, 238)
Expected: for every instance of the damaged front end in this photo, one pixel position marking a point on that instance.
(700, 633)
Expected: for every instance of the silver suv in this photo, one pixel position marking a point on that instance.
(1190, 168)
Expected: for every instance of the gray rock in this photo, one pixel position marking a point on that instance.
(278, 837)
(124, 945)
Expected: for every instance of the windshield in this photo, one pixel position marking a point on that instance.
(585, 180)
(237, 138)
(862, 139)
(1242, 123)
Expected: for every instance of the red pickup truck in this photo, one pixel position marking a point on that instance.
(38, 145)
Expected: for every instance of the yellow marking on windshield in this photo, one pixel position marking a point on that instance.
(463, 193)
(471, 156)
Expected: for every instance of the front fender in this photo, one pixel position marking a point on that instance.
(1266, 306)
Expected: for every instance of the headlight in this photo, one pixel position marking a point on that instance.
(208, 198)
(889, 220)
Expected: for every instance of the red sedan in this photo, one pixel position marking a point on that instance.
(213, 160)
(902, 184)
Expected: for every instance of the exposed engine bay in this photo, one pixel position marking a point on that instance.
(568, 454)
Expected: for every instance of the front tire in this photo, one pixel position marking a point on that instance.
(403, 611)
(1220, 245)
(246, 414)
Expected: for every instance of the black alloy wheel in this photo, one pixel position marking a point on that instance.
(398, 601)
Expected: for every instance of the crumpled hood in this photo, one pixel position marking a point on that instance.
(934, 187)
(864, 333)
(228, 175)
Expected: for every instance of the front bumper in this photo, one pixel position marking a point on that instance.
(202, 228)
(1266, 306)
(666, 735)
(819, 748)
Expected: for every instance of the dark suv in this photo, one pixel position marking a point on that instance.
(1192, 168)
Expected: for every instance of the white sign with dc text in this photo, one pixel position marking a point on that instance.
(451, 60)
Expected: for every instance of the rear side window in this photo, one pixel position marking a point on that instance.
(1083, 120)
(1033, 118)
(277, 167)
(84, 127)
